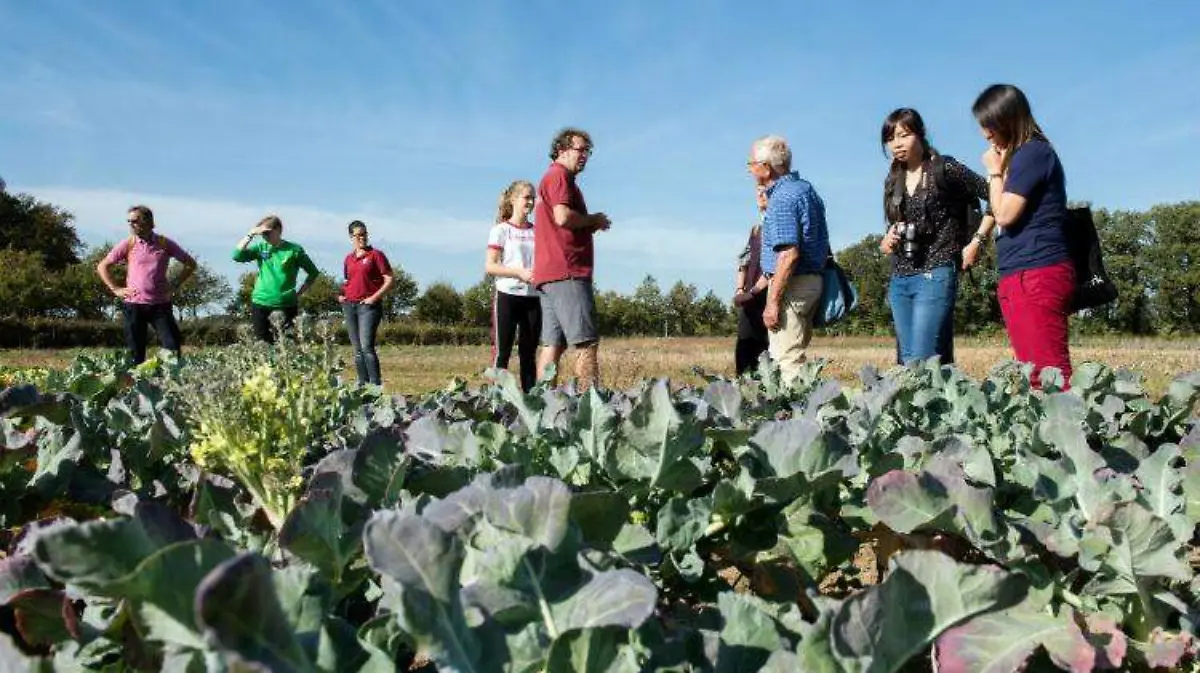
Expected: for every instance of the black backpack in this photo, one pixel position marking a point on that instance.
(964, 206)
(969, 215)
(1092, 285)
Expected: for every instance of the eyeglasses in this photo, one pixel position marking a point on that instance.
(583, 150)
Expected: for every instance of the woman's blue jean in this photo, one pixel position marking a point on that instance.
(362, 322)
(923, 313)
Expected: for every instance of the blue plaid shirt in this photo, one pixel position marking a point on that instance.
(795, 216)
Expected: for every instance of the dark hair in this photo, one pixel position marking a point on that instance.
(892, 192)
(145, 213)
(562, 141)
(355, 224)
(1004, 110)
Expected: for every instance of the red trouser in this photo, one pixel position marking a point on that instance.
(1035, 304)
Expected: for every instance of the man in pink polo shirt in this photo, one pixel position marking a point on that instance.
(146, 297)
(563, 254)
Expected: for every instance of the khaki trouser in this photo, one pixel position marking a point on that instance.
(800, 300)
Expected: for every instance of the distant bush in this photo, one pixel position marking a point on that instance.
(210, 331)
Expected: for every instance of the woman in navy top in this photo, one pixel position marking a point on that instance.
(1029, 200)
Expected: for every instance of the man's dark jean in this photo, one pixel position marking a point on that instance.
(362, 322)
(260, 318)
(751, 334)
(138, 317)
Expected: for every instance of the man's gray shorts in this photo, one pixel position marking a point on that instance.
(568, 312)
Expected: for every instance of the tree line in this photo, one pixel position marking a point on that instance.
(1153, 256)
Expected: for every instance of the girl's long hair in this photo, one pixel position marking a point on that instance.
(893, 192)
(505, 209)
(1004, 110)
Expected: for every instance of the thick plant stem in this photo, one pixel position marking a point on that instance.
(551, 628)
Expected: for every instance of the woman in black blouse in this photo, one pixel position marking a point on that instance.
(926, 199)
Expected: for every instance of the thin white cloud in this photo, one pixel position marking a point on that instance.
(99, 215)
(210, 227)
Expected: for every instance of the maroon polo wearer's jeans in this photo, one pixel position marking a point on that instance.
(1035, 304)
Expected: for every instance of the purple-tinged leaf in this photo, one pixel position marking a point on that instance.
(1106, 636)
(1000, 642)
(19, 573)
(43, 616)
(906, 501)
(1166, 649)
(926, 593)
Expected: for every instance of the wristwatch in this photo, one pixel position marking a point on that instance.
(979, 237)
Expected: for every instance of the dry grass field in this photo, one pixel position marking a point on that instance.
(417, 369)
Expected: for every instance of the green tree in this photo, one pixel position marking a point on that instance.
(615, 314)
(321, 297)
(1126, 238)
(25, 283)
(477, 304)
(869, 270)
(1176, 259)
(977, 308)
(205, 288)
(239, 303)
(714, 317)
(649, 308)
(80, 291)
(680, 309)
(440, 304)
(402, 298)
(32, 226)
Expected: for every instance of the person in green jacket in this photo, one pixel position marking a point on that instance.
(279, 262)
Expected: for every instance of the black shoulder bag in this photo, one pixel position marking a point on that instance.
(1093, 287)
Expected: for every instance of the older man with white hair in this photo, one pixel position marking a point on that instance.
(795, 245)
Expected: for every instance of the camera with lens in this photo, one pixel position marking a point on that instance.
(910, 247)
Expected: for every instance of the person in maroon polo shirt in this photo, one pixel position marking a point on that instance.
(368, 277)
(563, 257)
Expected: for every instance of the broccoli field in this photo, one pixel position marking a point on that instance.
(250, 510)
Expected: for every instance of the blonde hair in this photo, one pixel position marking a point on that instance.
(505, 209)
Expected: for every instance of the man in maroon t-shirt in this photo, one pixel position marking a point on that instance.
(562, 258)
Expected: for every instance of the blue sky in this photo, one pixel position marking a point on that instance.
(414, 115)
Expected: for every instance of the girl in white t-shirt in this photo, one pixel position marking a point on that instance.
(516, 309)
